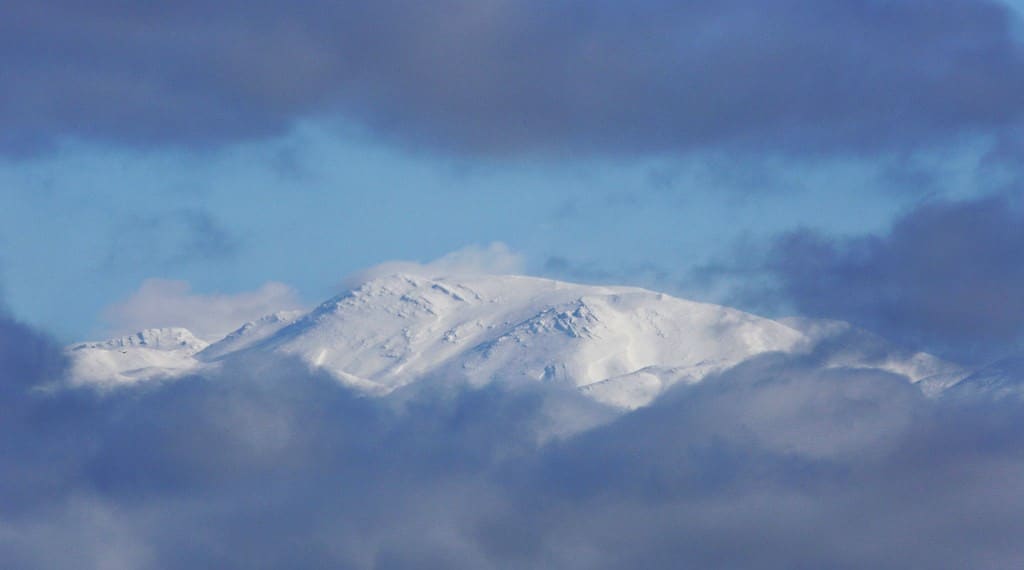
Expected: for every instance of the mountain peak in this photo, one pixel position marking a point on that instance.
(619, 345)
(167, 338)
(148, 354)
(397, 329)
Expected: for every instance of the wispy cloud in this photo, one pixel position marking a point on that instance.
(170, 238)
(492, 259)
(169, 303)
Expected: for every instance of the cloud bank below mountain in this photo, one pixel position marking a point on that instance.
(780, 462)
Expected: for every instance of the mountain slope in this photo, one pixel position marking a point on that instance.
(619, 345)
(145, 355)
(248, 334)
(394, 330)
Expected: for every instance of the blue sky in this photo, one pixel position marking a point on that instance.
(88, 222)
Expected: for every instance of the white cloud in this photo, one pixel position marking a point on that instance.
(170, 303)
(495, 258)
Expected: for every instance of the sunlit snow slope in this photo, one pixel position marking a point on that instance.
(619, 345)
(145, 355)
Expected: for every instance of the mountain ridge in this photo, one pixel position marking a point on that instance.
(621, 346)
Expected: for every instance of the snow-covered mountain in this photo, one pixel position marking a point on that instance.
(619, 345)
(145, 355)
(851, 347)
(248, 334)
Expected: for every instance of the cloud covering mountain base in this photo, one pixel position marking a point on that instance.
(780, 462)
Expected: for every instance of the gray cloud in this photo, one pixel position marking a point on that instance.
(502, 76)
(778, 463)
(781, 464)
(947, 275)
(27, 357)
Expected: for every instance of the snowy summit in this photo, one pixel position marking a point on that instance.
(621, 346)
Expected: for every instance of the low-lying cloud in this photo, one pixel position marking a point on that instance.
(781, 462)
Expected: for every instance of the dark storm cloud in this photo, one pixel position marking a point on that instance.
(501, 76)
(947, 275)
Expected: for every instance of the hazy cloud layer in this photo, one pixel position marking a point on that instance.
(509, 76)
(779, 463)
(169, 303)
